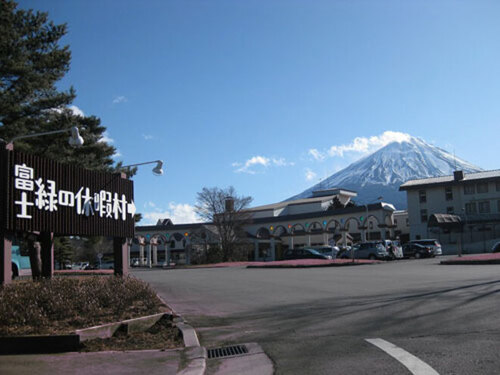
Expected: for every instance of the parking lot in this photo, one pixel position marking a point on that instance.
(330, 320)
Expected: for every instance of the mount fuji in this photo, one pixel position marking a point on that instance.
(382, 172)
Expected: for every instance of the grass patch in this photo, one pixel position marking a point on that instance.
(62, 305)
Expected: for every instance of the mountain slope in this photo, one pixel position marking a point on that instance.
(381, 173)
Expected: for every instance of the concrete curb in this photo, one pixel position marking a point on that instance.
(194, 356)
(469, 262)
(315, 265)
(39, 344)
(104, 331)
(195, 359)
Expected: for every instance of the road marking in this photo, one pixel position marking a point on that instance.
(412, 363)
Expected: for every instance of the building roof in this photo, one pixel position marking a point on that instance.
(444, 180)
(278, 205)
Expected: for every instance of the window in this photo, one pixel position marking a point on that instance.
(423, 196)
(408, 221)
(470, 208)
(484, 207)
(469, 189)
(395, 222)
(449, 210)
(423, 216)
(448, 192)
(498, 203)
(482, 187)
(498, 185)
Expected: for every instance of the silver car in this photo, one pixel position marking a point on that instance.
(432, 243)
(368, 250)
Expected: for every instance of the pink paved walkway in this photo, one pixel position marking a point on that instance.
(289, 263)
(490, 258)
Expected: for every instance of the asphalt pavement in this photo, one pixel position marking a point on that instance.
(318, 320)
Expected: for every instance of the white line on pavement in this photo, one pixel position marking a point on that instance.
(412, 363)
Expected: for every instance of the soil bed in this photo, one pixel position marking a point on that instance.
(163, 335)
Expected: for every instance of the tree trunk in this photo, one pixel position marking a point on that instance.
(35, 251)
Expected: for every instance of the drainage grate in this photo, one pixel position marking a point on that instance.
(228, 351)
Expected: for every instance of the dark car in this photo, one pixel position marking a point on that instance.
(418, 251)
(432, 243)
(304, 254)
(328, 250)
(368, 250)
(496, 248)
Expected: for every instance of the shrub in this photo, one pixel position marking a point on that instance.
(62, 305)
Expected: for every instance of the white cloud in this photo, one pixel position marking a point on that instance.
(179, 213)
(119, 99)
(147, 137)
(310, 175)
(362, 145)
(76, 111)
(72, 108)
(106, 138)
(117, 154)
(262, 161)
(316, 154)
(281, 162)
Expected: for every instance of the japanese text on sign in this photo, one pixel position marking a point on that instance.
(48, 198)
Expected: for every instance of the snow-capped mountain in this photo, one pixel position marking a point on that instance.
(382, 172)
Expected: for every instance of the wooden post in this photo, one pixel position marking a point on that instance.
(47, 244)
(120, 250)
(5, 258)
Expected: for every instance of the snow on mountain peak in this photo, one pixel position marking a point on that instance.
(403, 158)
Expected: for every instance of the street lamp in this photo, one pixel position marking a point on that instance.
(157, 170)
(366, 222)
(366, 217)
(74, 140)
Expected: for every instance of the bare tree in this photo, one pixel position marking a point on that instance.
(227, 211)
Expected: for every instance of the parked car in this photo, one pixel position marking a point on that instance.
(432, 243)
(394, 248)
(103, 265)
(328, 250)
(342, 250)
(20, 264)
(418, 251)
(304, 254)
(79, 265)
(496, 248)
(136, 262)
(106, 265)
(368, 250)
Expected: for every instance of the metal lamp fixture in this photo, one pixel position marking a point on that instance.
(74, 140)
(157, 170)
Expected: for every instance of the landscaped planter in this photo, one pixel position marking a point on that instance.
(72, 342)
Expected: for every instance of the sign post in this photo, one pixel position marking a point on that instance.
(39, 195)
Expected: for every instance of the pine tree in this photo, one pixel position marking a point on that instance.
(63, 251)
(31, 63)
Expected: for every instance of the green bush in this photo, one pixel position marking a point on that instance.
(62, 305)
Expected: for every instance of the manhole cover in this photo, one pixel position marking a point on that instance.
(227, 351)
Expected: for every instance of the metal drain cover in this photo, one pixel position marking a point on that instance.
(227, 351)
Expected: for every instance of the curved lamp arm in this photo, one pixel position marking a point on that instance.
(157, 170)
(74, 140)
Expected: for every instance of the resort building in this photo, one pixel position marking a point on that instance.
(328, 218)
(473, 198)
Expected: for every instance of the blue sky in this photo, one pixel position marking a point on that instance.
(239, 92)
